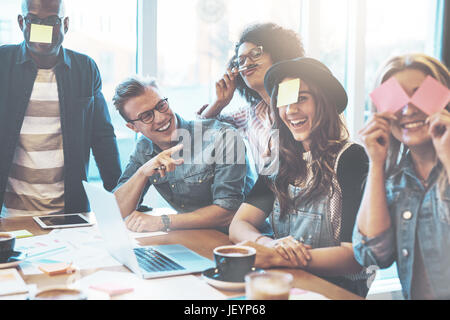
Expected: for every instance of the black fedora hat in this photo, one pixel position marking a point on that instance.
(309, 70)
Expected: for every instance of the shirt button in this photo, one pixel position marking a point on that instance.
(173, 186)
(154, 181)
(405, 252)
(200, 181)
(182, 205)
(407, 215)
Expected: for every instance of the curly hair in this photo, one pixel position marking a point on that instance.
(280, 43)
(328, 134)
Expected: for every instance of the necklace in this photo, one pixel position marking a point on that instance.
(424, 182)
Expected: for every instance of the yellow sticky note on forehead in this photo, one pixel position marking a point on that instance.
(41, 33)
(288, 92)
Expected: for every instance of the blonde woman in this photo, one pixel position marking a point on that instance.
(405, 211)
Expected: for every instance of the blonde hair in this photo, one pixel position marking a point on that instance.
(428, 65)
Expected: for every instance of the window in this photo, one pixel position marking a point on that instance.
(9, 28)
(105, 30)
(390, 33)
(196, 39)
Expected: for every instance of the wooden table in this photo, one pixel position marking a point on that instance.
(201, 241)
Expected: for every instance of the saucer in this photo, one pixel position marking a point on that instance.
(213, 278)
(14, 260)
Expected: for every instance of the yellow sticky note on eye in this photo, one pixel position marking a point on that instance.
(41, 33)
(288, 92)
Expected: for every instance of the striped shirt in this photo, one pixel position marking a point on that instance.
(255, 124)
(36, 183)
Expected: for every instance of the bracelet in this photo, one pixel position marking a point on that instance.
(259, 237)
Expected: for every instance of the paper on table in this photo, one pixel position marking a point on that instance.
(432, 96)
(288, 92)
(11, 282)
(170, 288)
(112, 288)
(300, 294)
(41, 33)
(40, 246)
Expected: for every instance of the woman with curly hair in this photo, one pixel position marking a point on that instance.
(258, 48)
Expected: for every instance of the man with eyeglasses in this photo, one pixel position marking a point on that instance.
(52, 113)
(206, 187)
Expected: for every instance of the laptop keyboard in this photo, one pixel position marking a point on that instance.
(152, 261)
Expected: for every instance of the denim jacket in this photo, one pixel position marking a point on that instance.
(85, 120)
(200, 181)
(310, 222)
(415, 211)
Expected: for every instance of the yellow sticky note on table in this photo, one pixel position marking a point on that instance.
(41, 33)
(22, 234)
(288, 92)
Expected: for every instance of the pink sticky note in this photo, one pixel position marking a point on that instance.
(432, 96)
(112, 289)
(390, 96)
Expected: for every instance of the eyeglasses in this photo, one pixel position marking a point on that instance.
(49, 21)
(148, 116)
(254, 55)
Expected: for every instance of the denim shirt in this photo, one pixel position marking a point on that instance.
(310, 222)
(199, 182)
(85, 120)
(415, 211)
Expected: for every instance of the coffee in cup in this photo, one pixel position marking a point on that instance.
(268, 286)
(234, 262)
(7, 243)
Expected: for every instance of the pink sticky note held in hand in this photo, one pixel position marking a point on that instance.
(390, 96)
(431, 97)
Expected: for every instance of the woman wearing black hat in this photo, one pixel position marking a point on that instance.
(319, 184)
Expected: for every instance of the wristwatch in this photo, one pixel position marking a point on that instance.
(166, 222)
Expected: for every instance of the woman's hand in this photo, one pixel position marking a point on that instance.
(439, 129)
(268, 257)
(225, 88)
(376, 136)
(292, 250)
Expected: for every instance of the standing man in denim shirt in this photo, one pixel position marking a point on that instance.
(52, 112)
(206, 190)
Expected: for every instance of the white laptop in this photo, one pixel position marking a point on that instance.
(149, 261)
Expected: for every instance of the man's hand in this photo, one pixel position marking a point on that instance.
(163, 162)
(141, 222)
